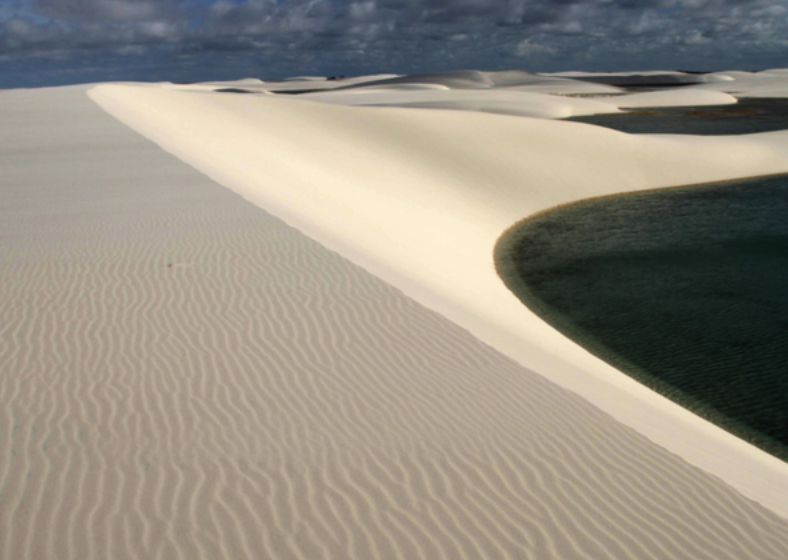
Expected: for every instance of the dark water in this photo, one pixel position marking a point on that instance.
(684, 289)
(746, 117)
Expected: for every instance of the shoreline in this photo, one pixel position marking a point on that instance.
(506, 267)
(637, 192)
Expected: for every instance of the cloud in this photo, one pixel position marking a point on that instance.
(528, 47)
(291, 36)
(112, 10)
(696, 37)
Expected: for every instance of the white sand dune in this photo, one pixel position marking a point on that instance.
(520, 93)
(562, 86)
(497, 101)
(769, 83)
(504, 101)
(647, 78)
(419, 198)
(683, 97)
(458, 79)
(323, 83)
(519, 80)
(285, 86)
(504, 80)
(186, 376)
(461, 80)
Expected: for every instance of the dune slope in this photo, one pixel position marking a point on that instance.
(420, 197)
(185, 376)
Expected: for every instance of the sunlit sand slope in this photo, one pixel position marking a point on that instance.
(420, 197)
(185, 376)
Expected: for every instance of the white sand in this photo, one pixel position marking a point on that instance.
(498, 101)
(523, 94)
(518, 80)
(769, 83)
(682, 97)
(419, 198)
(646, 78)
(185, 376)
(507, 101)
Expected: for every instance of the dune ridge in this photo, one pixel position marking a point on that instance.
(352, 177)
(186, 376)
(675, 88)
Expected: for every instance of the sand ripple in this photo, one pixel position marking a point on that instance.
(185, 376)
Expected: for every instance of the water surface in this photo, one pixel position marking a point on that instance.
(746, 117)
(684, 289)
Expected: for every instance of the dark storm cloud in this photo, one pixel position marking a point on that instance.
(289, 36)
(112, 10)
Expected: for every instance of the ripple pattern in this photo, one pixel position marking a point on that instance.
(184, 376)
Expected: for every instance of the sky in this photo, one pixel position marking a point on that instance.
(52, 42)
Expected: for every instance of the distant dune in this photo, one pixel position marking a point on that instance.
(331, 368)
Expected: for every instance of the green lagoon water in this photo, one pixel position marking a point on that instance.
(684, 289)
(746, 117)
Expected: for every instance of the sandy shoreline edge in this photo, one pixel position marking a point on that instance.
(505, 264)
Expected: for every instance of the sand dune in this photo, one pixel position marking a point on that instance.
(769, 83)
(519, 93)
(673, 98)
(419, 198)
(487, 85)
(528, 95)
(505, 101)
(478, 80)
(462, 80)
(498, 101)
(186, 376)
(647, 78)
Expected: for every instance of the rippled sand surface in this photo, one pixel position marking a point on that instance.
(183, 375)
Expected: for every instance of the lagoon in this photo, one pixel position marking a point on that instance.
(684, 289)
(749, 115)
